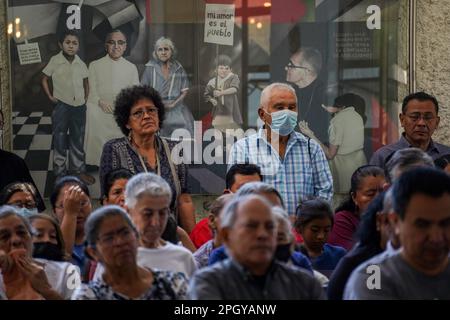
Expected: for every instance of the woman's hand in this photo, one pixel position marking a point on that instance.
(73, 199)
(5, 262)
(37, 277)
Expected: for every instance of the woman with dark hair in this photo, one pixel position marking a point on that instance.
(139, 112)
(373, 237)
(71, 205)
(366, 182)
(114, 187)
(112, 239)
(21, 195)
(48, 241)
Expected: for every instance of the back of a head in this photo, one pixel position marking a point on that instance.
(405, 159)
(430, 182)
(260, 188)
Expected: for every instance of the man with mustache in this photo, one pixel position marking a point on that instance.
(419, 119)
(421, 219)
(249, 230)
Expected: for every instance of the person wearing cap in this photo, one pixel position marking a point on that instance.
(346, 135)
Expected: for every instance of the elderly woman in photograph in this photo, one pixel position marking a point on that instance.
(112, 239)
(26, 278)
(169, 78)
(139, 113)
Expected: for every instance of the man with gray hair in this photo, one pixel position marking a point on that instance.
(292, 163)
(404, 159)
(249, 231)
(147, 200)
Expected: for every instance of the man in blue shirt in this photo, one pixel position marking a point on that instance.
(294, 164)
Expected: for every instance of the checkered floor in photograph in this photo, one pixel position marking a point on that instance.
(33, 142)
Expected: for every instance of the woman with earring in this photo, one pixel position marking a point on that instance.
(139, 112)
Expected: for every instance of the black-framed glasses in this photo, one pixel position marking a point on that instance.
(138, 114)
(19, 204)
(416, 116)
(117, 43)
(291, 65)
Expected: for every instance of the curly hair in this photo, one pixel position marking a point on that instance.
(128, 97)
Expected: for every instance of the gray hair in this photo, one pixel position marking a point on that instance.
(388, 202)
(228, 216)
(167, 41)
(258, 187)
(8, 211)
(265, 94)
(96, 218)
(283, 218)
(146, 184)
(404, 159)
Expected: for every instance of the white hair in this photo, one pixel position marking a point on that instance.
(282, 217)
(164, 41)
(228, 216)
(265, 94)
(146, 184)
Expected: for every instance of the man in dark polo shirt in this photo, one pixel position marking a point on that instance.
(249, 230)
(419, 119)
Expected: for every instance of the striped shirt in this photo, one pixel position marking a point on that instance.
(302, 173)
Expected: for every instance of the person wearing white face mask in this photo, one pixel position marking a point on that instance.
(295, 165)
(21, 195)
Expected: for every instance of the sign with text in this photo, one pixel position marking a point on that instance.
(29, 53)
(219, 24)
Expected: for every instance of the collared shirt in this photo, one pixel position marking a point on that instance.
(303, 172)
(230, 280)
(67, 79)
(435, 150)
(202, 254)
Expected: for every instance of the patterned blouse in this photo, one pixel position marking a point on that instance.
(118, 153)
(167, 285)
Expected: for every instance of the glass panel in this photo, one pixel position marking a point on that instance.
(323, 48)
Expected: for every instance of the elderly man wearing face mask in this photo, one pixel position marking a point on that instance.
(293, 164)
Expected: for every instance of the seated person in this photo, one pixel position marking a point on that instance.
(366, 182)
(23, 277)
(314, 222)
(21, 195)
(203, 253)
(147, 199)
(421, 219)
(268, 192)
(236, 177)
(249, 231)
(112, 239)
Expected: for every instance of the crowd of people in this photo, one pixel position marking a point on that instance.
(273, 234)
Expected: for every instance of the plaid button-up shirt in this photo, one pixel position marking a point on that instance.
(302, 173)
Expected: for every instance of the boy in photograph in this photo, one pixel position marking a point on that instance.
(69, 76)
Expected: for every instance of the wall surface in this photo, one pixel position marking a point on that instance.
(433, 58)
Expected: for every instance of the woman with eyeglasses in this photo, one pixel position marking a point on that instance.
(112, 240)
(169, 78)
(21, 195)
(140, 113)
(23, 277)
(71, 204)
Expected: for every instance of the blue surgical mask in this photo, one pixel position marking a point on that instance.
(26, 213)
(283, 122)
